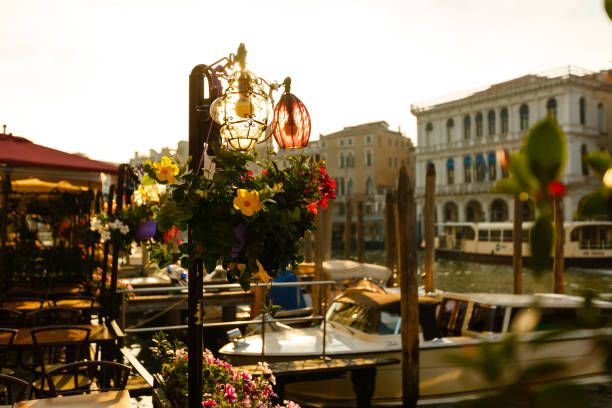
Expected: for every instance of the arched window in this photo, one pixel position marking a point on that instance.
(479, 124)
(467, 123)
(528, 210)
(350, 160)
(600, 118)
(449, 130)
(583, 159)
(349, 187)
(491, 122)
(342, 163)
(551, 107)
(504, 120)
(499, 210)
(524, 117)
(582, 111)
(480, 168)
(450, 171)
(428, 132)
(467, 169)
(451, 213)
(473, 212)
(492, 166)
(369, 186)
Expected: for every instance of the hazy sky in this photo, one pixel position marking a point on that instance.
(109, 77)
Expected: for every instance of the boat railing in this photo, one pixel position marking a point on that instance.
(233, 287)
(595, 245)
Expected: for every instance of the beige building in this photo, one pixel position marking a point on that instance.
(365, 161)
(461, 135)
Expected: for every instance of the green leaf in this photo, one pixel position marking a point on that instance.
(507, 186)
(520, 169)
(146, 180)
(545, 150)
(595, 204)
(599, 161)
(608, 7)
(541, 242)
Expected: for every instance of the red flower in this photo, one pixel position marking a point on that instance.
(556, 188)
(265, 171)
(313, 208)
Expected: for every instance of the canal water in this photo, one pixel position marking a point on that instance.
(462, 276)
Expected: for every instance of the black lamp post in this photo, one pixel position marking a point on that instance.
(239, 116)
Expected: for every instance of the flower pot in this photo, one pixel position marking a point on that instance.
(146, 230)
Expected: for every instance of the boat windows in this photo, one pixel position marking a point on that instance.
(551, 317)
(487, 318)
(446, 313)
(507, 235)
(483, 235)
(593, 237)
(461, 308)
(495, 235)
(365, 319)
(451, 317)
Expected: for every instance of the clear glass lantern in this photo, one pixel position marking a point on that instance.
(242, 111)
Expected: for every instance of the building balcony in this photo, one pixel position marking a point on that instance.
(475, 187)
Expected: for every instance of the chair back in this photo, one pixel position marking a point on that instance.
(59, 345)
(71, 300)
(52, 316)
(22, 303)
(12, 389)
(7, 336)
(11, 318)
(104, 376)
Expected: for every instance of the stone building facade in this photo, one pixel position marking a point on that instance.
(364, 160)
(462, 135)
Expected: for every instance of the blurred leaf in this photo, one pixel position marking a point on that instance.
(539, 371)
(595, 204)
(520, 169)
(560, 396)
(599, 161)
(545, 149)
(541, 242)
(608, 7)
(507, 186)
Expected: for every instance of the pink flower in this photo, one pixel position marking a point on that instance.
(209, 403)
(230, 393)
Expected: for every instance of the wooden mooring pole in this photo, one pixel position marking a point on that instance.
(406, 224)
(308, 246)
(390, 245)
(517, 245)
(348, 230)
(429, 256)
(318, 264)
(360, 233)
(558, 261)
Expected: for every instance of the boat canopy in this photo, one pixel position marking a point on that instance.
(386, 301)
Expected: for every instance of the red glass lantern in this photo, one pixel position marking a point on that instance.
(291, 122)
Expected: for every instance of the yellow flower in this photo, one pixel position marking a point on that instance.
(147, 163)
(247, 202)
(261, 273)
(166, 170)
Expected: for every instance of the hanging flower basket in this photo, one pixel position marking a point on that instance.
(146, 230)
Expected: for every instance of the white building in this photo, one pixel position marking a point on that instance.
(461, 135)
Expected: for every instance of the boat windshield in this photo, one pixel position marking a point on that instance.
(363, 318)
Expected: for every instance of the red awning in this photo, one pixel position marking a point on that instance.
(17, 152)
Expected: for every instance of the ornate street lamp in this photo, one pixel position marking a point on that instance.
(237, 116)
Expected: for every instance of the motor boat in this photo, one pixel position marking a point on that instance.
(361, 323)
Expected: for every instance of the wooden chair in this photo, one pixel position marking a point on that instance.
(54, 347)
(7, 336)
(12, 389)
(102, 375)
(51, 316)
(68, 300)
(22, 302)
(11, 318)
